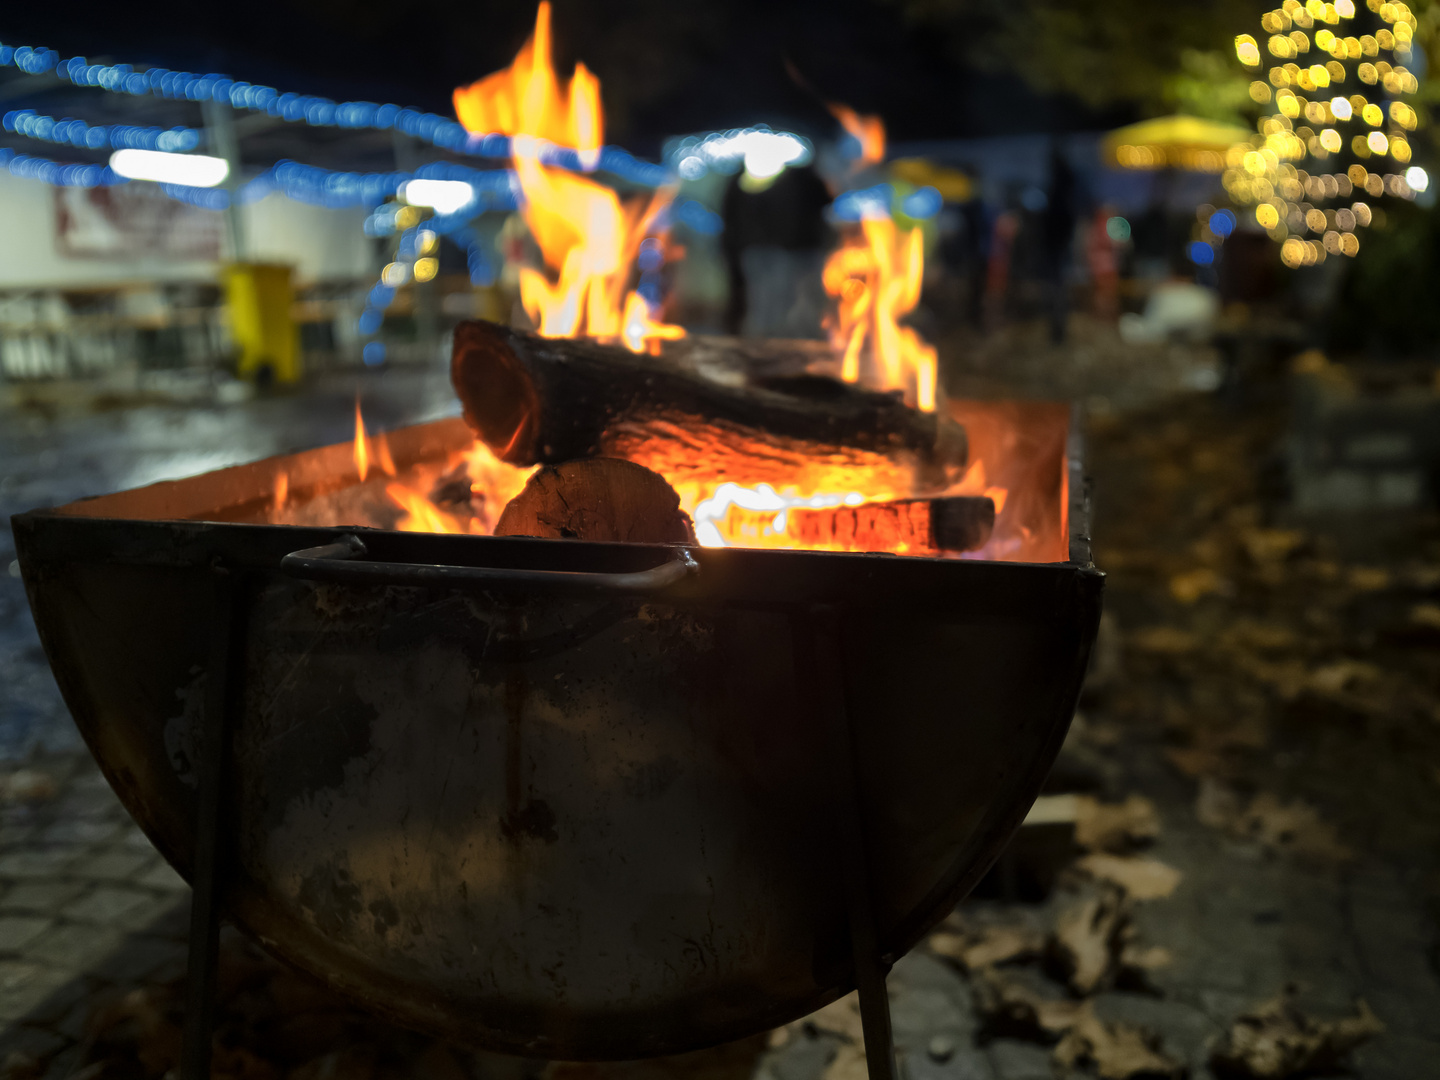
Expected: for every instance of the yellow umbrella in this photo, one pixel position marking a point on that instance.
(1181, 142)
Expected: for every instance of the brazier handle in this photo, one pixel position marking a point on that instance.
(345, 561)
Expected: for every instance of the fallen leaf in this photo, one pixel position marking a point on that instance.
(1118, 1051)
(988, 946)
(1195, 761)
(840, 1017)
(1272, 545)
(1115, 826)
(1011, 1007)
(1218, 805)
(1164, 640)
(1368, 578)
(1142, 879)
(1086, 939)
(1246, 633)
(1338, 677)
(1294, 826)
(847, 1064)
(28, 786)
(1145, 959)
(1426, 615)
(1276, 1040)
(1191, 585)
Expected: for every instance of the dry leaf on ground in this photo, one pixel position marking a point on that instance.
(1117, 1051)
(27, 786)
(1190, 585)
(1142, 879)
(1276, 1040)
(988, 946)
(1115, 826)
(1010, 1007)
(1268, 546)
(1087, 937)
(1340, 676)
(1163, 641)
(1294, 826)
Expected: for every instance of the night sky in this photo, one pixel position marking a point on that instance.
(666, 68)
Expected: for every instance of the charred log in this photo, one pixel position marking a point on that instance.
(911, 526)
(598, 499)
(748, 411)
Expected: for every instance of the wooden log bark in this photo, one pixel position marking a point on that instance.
(598, 499)
(709, 409)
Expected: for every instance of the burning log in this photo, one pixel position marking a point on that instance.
(911, 526)
(598, 499)
(751, 412)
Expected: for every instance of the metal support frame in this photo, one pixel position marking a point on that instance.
(821, 663)
(222, 694)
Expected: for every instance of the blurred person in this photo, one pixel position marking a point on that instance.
(1102, 259)
(997, 266)
(1057, 235)
(775, 242)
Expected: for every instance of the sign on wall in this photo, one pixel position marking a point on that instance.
(135, 220)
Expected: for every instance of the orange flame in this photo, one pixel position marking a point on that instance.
(362, 444)
(527, 98)
(588, 238)
(869, 131)
(876, 275)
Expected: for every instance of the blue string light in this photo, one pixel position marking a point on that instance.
(83, 136)
(311, 109)
(58, 173)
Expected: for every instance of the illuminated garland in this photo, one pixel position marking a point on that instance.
(1307, 123)
(83, 136)
(495, 189)
(309, 109)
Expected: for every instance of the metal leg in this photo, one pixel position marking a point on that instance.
(226, 636)
(818, 643)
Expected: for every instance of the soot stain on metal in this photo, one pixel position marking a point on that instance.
(524, 818)
(332, 898)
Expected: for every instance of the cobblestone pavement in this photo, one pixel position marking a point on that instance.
(87, 908)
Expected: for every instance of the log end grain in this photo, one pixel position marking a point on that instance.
(602, 499)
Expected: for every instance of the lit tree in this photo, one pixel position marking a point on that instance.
(1322, 156)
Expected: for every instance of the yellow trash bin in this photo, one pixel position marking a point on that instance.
(260, 297)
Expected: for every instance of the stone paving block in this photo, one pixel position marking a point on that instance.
(36, 1042)
(37, 862)
(1014, 1060)
(802, 1058)
(161, 876)
(41, 895)
(28, 998)
(964, 1064)
(58, 1000)
(173, 921)
(135, 840)
(1184, 1030)
(82, 831)
(139, 959)
(74, 946)
(107, 905)
(18, 931)
(15, 972)
(64, 1063)
(111, 865)
(1398, 1057)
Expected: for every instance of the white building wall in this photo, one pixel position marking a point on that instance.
(321, 244)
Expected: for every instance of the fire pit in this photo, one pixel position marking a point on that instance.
(564, 798)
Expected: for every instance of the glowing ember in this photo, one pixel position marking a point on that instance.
(589, 239)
